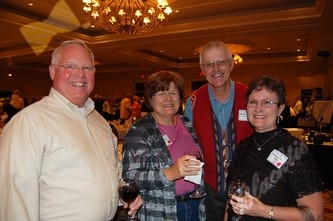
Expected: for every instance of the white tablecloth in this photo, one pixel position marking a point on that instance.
(121, 130)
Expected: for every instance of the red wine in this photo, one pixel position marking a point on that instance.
(127, 193)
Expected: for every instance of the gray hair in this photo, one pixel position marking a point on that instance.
(54, 59)
(215, 44)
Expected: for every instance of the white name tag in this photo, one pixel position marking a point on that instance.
(242, 115)
(277, 158)
(167, 141)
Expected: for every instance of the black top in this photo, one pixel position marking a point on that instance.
(297, 177)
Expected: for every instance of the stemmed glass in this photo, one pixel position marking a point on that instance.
(238, 188)
(197, 194)
(128, 190)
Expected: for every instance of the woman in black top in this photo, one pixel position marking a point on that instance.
(283, 181)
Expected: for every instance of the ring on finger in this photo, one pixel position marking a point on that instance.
(241, 211)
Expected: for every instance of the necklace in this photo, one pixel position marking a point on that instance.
(169, 133)
(164, 121)
(260, 146)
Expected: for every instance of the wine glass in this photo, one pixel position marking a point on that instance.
(197, 194)
(128, 190)
(238, 188)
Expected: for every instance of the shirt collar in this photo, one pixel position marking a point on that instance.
(83, 111)
(230, 96)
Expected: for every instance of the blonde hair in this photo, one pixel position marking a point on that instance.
(17, 102)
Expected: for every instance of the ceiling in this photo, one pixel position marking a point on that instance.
(30, 33)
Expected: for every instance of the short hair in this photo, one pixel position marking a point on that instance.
(160, 81)
(269, 83)
(17, 92)
(55, 57)
(215, 44)
(128, 95)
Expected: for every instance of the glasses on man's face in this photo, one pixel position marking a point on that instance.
(263, 103)
(164, 94)
(219, 63)
(74, 67)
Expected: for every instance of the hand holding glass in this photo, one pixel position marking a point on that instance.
(128, 191)
(197, 194)
(238, 188)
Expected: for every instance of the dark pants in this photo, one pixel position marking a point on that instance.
(215, 204)
(188, 210)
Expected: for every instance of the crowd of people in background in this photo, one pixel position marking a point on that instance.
(133, 106)
(123, 108)
(12, 105)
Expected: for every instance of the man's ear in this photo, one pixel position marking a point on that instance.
(232, 64)
(52, 71)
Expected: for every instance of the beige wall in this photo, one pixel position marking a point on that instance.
(296, 77)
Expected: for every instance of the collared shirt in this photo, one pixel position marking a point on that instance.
(221, 110)
(58, 162)
(199, 105)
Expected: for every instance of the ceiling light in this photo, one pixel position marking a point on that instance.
(127, 16)
(238, 59)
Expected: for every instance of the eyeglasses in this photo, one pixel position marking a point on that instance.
(263, 103)
(74, 67)
(219, 63)
(164, 94)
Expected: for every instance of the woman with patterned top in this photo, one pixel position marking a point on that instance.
(283, 181)
(154, 153)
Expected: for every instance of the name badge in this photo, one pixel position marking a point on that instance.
(167, 141)
(277, 158)
(242, 115)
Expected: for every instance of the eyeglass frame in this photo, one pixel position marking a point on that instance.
(219, 63)
(74, 67)
(164, 94)
(263, 103)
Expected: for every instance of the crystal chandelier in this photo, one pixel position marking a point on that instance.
(127, 16)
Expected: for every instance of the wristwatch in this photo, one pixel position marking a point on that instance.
(271, 213)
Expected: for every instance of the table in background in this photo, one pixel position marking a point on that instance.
(121, 130)
(323, 156)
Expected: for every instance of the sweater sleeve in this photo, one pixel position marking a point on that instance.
(145, 156)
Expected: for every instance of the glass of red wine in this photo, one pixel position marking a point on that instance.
(197, 194)
(128, 191)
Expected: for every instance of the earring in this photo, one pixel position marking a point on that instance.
(278, 119)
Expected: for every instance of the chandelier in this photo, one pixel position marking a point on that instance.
(127, 16)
